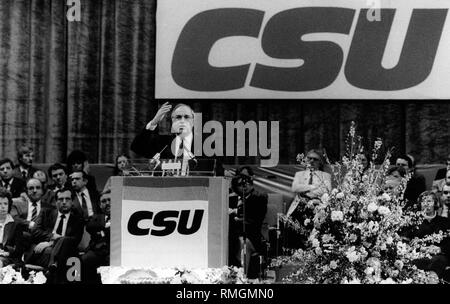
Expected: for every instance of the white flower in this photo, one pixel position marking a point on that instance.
(388, 281)
(408, 281)
(389, 240)
(354, 281)
(372, 207)
(386, 197)
(352, 255)
(334, 191)
(306, 222)
(369, 270)
(318, 251)
(333, 264)
(315, 243)
(337, 216)
(340, 195)
(399, 264)
(325, 198)
(383, 210)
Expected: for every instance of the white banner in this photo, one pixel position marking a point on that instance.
(165, 234)
(343, 49)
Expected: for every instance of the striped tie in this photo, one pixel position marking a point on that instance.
(34, 212)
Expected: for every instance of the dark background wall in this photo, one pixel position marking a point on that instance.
(89, 85)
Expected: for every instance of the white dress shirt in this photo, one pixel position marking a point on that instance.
(187, 143)
(30, 209)
(66, 220)
(88, 201)
(8, 219)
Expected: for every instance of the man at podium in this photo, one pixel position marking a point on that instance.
(150, 144)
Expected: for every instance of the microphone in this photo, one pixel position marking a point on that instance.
(157, 156)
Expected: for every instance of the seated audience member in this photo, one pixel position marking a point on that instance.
(27, 210)
(313, 182)
(77, 161)
(13, 184)
(57, 235)
(121, 168)
(86, 200)
(97, 253)
(25, 169)
(432, 223)
(396, 172)
(445, 202)
(441, 173)
(59, 175)
(48, 196)
(438, 185)
(10, 232)
(416, 184)
(255, 211)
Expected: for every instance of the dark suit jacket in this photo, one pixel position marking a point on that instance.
(416, 185)
(18, 174)
(12, 240)
(440, 174)
(46, 222)
(100, 235)
(95, 200)
(19, 211)
(18, 186)
(147, 143)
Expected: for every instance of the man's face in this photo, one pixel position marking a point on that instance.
(34, 190)
(446, 194)
(6, 171)
(447, 178)
(391, 184)
(64, 201)
(182, 121)
(78, 183)
(314, 160)
(402, 163)
(244, 179)
(122, 163)
(448, 163)
(77, 166)
(27, 159)
(105, 204)
(3, 205)
(59, 177)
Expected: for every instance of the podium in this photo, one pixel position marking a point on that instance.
(169, 222)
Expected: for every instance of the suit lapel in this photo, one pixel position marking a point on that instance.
(7, 232)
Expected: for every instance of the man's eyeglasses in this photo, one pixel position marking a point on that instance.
(179, 117)
(446, 192)
(313, 158)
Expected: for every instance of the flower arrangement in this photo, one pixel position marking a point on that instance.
(354, 234)
(8, 275)
(124, 275)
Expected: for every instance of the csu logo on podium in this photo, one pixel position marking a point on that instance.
(165, 222)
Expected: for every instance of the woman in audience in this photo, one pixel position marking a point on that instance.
(121, 168)
(10, 232)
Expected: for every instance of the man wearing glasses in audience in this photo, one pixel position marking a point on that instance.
(149, 142)
(445, 199)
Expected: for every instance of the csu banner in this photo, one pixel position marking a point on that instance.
(344, 49)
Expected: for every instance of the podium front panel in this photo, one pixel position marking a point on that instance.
(169, 222)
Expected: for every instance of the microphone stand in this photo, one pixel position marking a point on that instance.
(244, 232)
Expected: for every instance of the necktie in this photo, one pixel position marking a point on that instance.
(84, 204)
(180, 149)
(24, 175)
(60, 225)
(310, 178)
(34, 212)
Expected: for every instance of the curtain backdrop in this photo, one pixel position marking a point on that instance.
(89, 85)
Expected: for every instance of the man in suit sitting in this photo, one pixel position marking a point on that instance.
(13, 184)
(59, 175)
(97, 253)
(148, 142)
(86, 200)
(25, 169)
(57, 235)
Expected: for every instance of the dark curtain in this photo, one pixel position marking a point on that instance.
(89, 85)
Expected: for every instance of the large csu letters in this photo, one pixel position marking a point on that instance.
(323, 60)
(167, 220)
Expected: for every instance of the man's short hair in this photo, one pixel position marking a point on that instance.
(407, 158)
(6, 194)
(64, 189)
(179, 105)
(6, 160)
(83, 174)
(23, 150)
(76, 157)
(56, 166)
